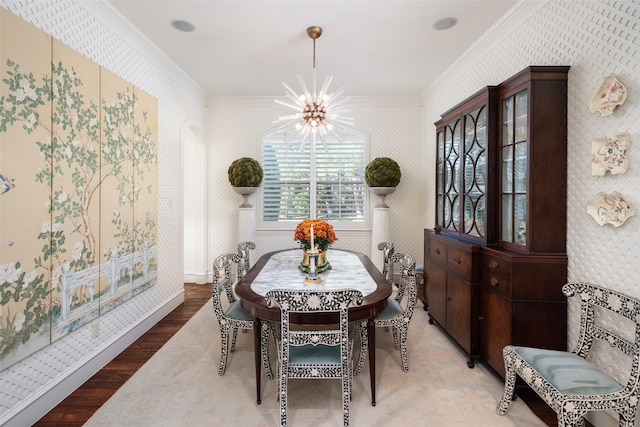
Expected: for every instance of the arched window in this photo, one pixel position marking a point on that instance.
(306, 180)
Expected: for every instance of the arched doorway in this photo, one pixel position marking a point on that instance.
(194, 203)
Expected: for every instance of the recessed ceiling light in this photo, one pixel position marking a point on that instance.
(185, 26)
(444, 23)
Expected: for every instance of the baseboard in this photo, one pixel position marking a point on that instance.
(40, 403)
(198, 278)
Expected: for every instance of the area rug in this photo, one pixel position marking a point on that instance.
(180, 386)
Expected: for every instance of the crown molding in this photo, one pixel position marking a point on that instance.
(519, 13)
(354, 101)
(105, 12)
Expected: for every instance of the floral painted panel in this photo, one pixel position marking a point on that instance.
(145, 179)
(78, 177)
(75, 197)
(117, 191)
(26, 230)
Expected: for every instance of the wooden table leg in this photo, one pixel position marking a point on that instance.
(371, 332)
(257, 350)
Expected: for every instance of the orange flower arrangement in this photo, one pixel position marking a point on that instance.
(323, 234)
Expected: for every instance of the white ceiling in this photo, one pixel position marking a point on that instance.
(376, 48)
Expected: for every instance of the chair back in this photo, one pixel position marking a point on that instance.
(406, 282)
(319, 353)
(592, 296)
(223, 282)
(314, 301)
(244, 265)
(387, 251)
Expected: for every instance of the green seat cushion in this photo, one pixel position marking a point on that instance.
(314, 354)
(392, 310)
(567, 372)
(237, 312)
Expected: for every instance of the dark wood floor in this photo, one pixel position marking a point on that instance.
(80, 405)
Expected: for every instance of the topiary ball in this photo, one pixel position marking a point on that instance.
(245, 172)
(382, 172)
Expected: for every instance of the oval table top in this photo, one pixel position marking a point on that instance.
(279, 270)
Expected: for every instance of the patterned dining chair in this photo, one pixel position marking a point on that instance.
(387, 251)
(244, 265)
(574, 383)
(399, 310)
(230, 314)
(244, 249)
(314, 354)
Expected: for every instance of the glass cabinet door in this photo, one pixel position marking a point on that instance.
(514, 174)
(448, 176)
(475, 146)
(466, 138)
(440, 179)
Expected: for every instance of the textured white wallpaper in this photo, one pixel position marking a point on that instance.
(596, 38)
(395, 129)
(90, 28)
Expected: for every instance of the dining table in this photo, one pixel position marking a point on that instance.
(279, 270)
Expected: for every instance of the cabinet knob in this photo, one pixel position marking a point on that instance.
(437, 251)
(493, 281)
(493, 263)
(457, 260)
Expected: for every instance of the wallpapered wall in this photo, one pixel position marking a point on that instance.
(91, 29)
(595, 38)
(395, 129)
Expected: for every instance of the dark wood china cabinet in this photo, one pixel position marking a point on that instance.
(496, 260)
(463, 217)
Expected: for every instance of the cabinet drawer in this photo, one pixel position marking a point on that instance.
(496, 282)
(496, 265)
(459, 261)
(438, 251)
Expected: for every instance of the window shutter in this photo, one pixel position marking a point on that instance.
(338, 183)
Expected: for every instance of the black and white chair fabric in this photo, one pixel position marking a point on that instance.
(244, 250)
(387, 250)
(230, 314)
(399, 310)
(569, 382)
(318, 353)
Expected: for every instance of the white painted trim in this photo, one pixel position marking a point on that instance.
(261, 101)
(195, 244)
(197, 278)
(38, 404)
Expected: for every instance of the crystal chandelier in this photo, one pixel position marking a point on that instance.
(313, 113)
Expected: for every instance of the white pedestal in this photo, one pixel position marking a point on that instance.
(380, 233)
(246, 219)
(247, 227)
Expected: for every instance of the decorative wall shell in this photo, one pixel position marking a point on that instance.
(610, 209)
(609, 154)
(610, 94)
